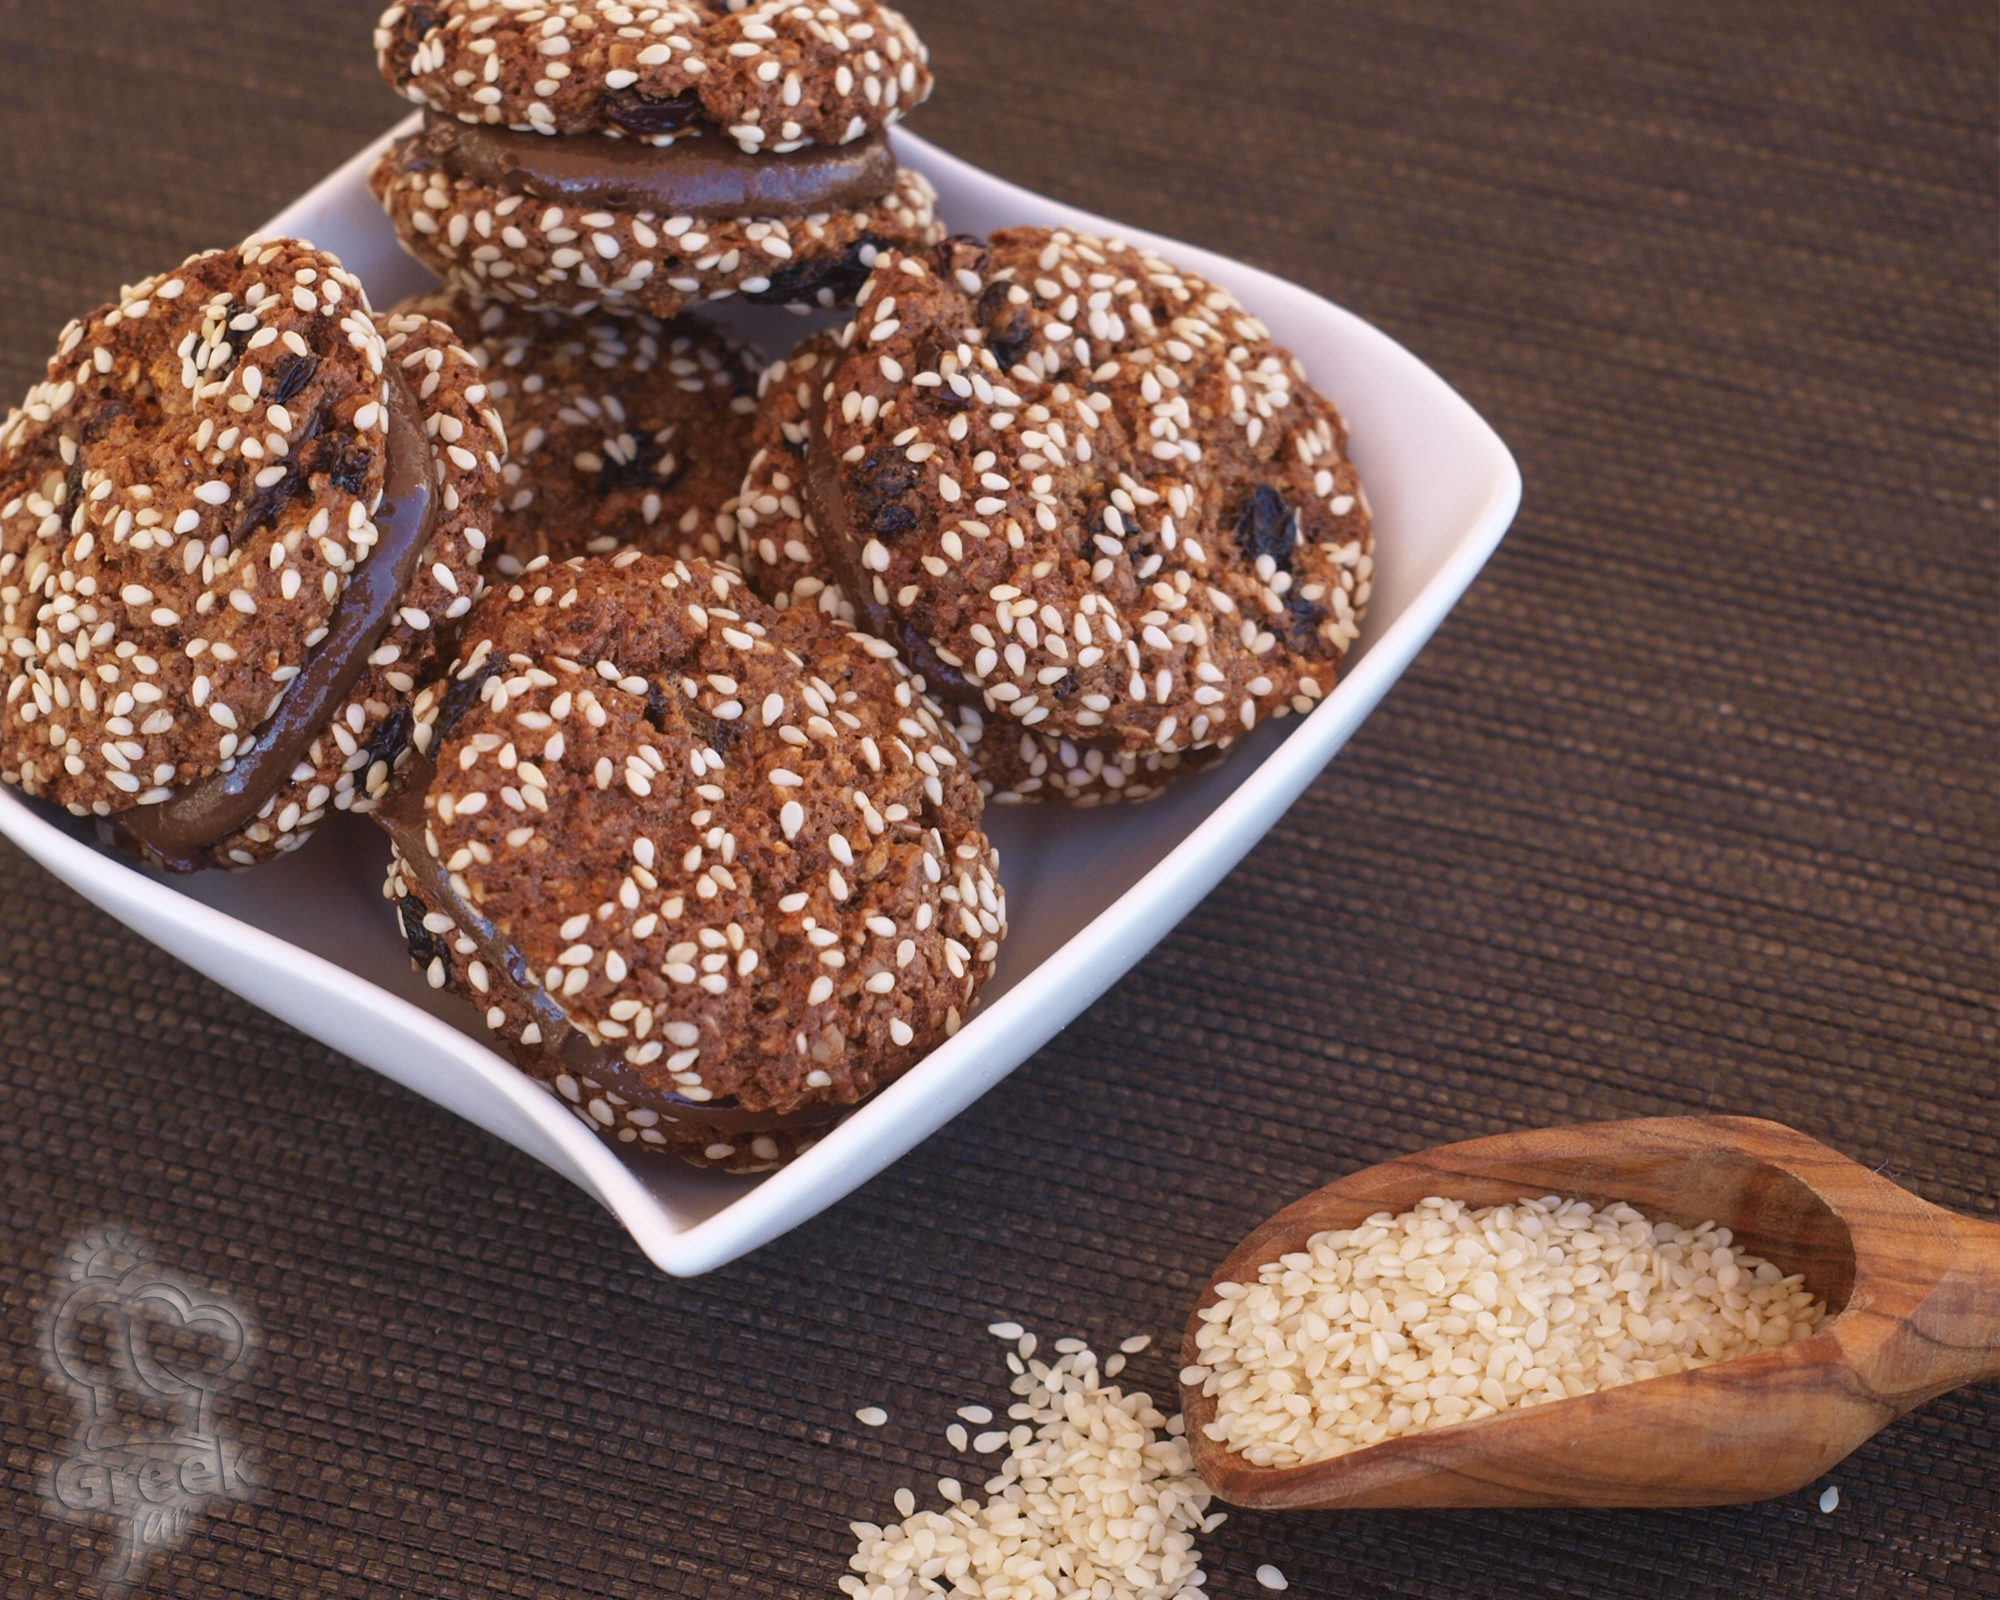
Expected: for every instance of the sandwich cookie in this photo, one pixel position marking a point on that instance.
(235, 520)
(1084, 492)
(780, 553)
(626, 432)
(714, 872)
(638, 157)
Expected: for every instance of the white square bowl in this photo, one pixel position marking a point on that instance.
(1089, 892)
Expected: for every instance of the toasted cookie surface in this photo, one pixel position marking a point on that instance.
(1084, 488)
(625, 431)
(733, 849)
(771, 75)
(494, 243)
(777, 545)
(185, 502)
(781, 556)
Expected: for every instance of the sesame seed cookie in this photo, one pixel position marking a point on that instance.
(232, 520)
(1084, 490)
(714, 872)
(500, 243)
(626, 432)
(775, 74)
(777, 546)
(780, 553)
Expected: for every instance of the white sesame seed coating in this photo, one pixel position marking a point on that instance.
(186, 499)
(783, 557)
(604, 798)
(627, 432)
(641, 261)
(773, 75)
(1089, 494)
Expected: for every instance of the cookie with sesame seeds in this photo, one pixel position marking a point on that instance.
(500, 235)
(626, 432)
(231, 528)
(777, 545)
(713, 872)
(780, 553)
(769, 76)
(639, 157)
(1084, 490)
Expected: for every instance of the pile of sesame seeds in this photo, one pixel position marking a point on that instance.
(1097, 1498)
(1447, 1313)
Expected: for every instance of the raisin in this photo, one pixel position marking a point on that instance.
(962, 252)
(386, 743)
(463, 697)
(346, 461)
(288, 377)
(1009, 328)
(1066, 686)
(645, 117)
(836, 278)
(641, 472)
(103, 418)
(420, 21)
(883, 479)
(1305, 620)
(425, 946)
(656, 707)
(713, 731)
(1266, 526)
(930, 358)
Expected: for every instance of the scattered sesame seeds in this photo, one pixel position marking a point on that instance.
(1097, 1494)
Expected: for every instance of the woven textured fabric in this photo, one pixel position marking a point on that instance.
(1689, 808)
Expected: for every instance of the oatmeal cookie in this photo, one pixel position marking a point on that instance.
(626, 432)
(234, 520)
(713, 872)
(597, 154)
(1085, 491)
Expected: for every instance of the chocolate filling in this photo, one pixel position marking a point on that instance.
(178, 833)
(827, 501)
(708, 176)
(563, 1045)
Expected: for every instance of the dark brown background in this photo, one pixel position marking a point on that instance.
(1689, 808)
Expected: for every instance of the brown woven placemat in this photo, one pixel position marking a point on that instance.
(1689, 808)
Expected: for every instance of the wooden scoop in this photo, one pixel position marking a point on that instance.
(1916, 1289)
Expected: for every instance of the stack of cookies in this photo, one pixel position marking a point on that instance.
(678, 682)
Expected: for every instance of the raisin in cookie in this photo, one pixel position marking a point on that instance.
(1083, 490)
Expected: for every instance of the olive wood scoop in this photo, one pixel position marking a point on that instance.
(1913, 1294)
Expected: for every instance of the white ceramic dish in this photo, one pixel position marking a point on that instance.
(311, 940)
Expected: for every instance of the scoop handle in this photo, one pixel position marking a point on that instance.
(1961, 1317)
